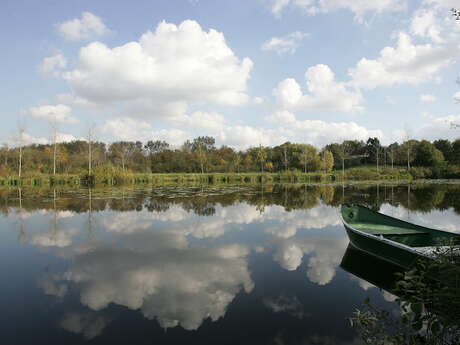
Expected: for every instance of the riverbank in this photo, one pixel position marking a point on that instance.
(119, 177)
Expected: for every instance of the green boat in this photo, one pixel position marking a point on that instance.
(392, 239)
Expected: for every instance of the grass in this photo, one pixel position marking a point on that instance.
(111, 175)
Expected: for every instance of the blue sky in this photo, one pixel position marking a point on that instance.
(246, 72)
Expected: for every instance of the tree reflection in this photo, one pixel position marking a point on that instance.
(203, 201)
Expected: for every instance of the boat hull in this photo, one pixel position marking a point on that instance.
(373, 245)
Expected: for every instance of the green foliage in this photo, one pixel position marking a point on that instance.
(328, 161)
(426, 154)
(429, 297)
(202, 156)
(110, 174)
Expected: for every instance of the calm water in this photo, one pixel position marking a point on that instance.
(233, 265)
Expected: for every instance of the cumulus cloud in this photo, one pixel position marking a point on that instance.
(163, 72)
(433, 21)
(359, 7)
(426, 98)
(285, 45)
(425, 23)
(89, 26)
(132, 130)
(432, 129)
(200, 120)
(51, 65)
(320, 133)
(25, 139)
(281, 116)
(60, 113)
(324, 93)
(406, 64)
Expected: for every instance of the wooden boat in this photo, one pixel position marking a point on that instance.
(392, 239)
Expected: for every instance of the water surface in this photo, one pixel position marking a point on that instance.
(175, 265)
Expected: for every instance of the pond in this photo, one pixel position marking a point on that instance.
(194, 265)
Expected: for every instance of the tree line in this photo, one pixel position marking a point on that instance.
(201, 155)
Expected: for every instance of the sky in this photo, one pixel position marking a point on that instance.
(248, 73)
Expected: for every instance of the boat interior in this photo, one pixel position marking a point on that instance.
(374, 223)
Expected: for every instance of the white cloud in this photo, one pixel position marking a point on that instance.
(132, 130)
(200, 120)
(320, 133)
(281, 116)
(243, 137)
(88, 26)
(285, 45)
(425, 24)
(52, 64)
(433, 21)
(60, 113)
(405, 64)
(65, 138)
(27, 139)
(359, 7)
(163, 73)
(258, 100)
(74, 100)
(324, 93)
(439, 128)
(434, 128)
(427, 98)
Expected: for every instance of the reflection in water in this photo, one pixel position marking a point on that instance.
(88, 324)
(174, 285)
(323, 261)
(284, 304)
(370, 269)
(186, 256)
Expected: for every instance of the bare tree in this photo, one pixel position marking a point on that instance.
(21, 143)
(90, 140)
(407, 137)
(54, 137)
(285, 158)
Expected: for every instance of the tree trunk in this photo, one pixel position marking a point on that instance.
(54, 156)
(377, 156)
(89, 153)
(20, 159)
(391, 159)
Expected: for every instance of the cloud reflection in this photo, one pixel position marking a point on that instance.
(326, 254)
(176, 286)
(89, 324)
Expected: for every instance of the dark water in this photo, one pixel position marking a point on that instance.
(233, 265)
